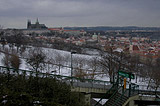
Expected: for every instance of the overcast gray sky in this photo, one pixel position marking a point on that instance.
(60, 13)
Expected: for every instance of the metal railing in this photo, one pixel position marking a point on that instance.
(114, 93)
(134, 89)
(68, 79)
(123, 94)
(111, 91)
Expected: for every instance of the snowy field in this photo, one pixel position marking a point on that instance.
(59, 57)
(64, 58)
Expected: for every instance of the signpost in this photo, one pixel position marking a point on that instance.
(125, 80)
(126, 74)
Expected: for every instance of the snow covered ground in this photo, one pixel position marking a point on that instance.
(58, 56)
(102, 102)
(54, 56)
(64, 58)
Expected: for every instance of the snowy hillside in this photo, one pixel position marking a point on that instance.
(60, 64)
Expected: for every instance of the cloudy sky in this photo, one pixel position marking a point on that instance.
(60, 13)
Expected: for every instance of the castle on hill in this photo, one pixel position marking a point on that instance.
(36, 25)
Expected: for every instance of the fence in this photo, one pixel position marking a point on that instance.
(75, 81)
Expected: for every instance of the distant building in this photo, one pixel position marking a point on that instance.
(134, 49)
(70, 32)
(94, 37)
(36, 25)
(59, 30)
(35, 31)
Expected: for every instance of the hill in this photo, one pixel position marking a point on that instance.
(108, 28)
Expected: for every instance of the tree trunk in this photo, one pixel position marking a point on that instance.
(156, 90)
(59, 68)
(136, 78)
(149, 83)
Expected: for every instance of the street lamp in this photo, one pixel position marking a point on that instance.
(72, 52)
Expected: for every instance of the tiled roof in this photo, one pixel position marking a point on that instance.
(135, 47)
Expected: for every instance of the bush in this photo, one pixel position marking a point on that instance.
(29, 91)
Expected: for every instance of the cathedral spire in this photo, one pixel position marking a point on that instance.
(29, 24)
(37, 22)
(37, 25)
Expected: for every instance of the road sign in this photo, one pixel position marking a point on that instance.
(126, 74)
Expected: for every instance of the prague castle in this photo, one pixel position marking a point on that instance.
(36, 25)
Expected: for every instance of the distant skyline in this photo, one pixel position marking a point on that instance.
(62, 13)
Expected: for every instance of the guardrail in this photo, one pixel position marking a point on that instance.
(13, 71)
(123, 94)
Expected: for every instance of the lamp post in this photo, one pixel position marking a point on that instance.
(72, 52)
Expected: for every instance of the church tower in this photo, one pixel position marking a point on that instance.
(37, 22)
(37, 26)
(29, 24)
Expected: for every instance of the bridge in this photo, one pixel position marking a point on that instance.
(93, 88)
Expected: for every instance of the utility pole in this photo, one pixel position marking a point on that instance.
(72, 52)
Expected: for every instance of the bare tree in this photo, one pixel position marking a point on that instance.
(122, 60)
(78, 66)
(59, 59)
(156, 74)
(135, 65)
(6, 62)
(6, 58)
(148, 70)
(50, 61)
(2, 38)
(15, 61)
(108, 63)
(36, 60)
(17, 38)
(80, 73)
(94, 65)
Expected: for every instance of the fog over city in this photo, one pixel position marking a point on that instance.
(59, 13)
